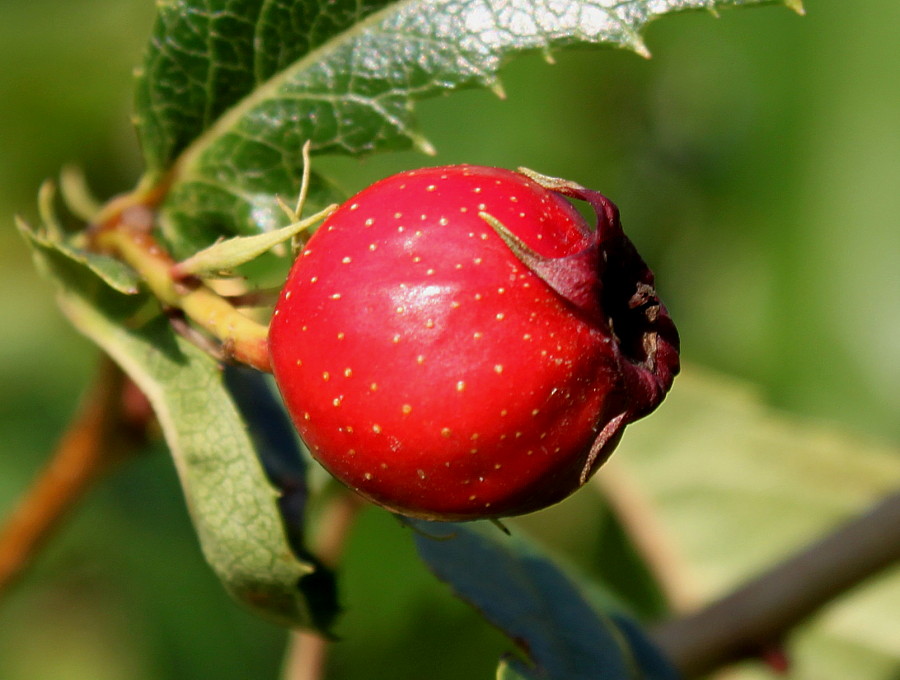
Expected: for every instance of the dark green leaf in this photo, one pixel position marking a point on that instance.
(232, 503)
(231, 89)
(537, 605)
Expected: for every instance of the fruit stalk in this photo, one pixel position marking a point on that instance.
(242, 338)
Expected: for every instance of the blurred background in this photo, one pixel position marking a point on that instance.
(755, 163)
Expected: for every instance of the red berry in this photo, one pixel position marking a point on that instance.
(449, 369)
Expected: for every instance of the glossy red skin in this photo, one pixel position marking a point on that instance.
(428, 368)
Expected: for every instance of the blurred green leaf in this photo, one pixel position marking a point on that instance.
(230, 93)
(233, 505)
(739, 486)
(540, 607)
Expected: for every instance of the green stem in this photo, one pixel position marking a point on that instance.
(241, 337)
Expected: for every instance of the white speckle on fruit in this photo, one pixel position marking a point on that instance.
(383, 466)
(367, 476)
(518, 435)
(423, 217)
(478, 335)
(373, 387)
(473, 497)
(348, 372)
(535, 411)
(460, 386)
(514, 199)
(420, 359)
(369, 222)
(355, 206)
(429, 272)
(406, 409)
(478, 260)
(498, 368)
(446, 432)
(429, 323)
(341, 335)
(306, 415)
(497, 466)
(500, 316)
(299, 362)
(454, 304)
(457, 266)
(501, 291)
(398, 215)
(337, 400)
(351, 452)
(527, 336)
(376, 428)
(473, 451)
(474, 436)
(287, 295)
(416, 259)
(400, 309)
(401, 229)
(373, 246)
(482, 206)
(313, 279)
(477, 190)
(443, 221)
(348, 429)
(421, 473)
(504, 413)
(346, 260)
(326, 376)
(529, 452)
(464, 209)
(478, 296)
(335, 296)
(396, 339)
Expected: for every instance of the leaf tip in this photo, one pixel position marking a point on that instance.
(422, 145)
(796, 6)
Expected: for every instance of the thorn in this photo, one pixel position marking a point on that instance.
(497, 522)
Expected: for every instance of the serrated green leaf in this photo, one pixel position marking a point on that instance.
(739, 486)
(231, 90)
(538, 605)
(114, 273)
(233, 505)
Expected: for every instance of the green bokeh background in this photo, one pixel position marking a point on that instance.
(755, 162)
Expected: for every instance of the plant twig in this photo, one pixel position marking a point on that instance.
(307, 651)
(100, 435)
(762, 612)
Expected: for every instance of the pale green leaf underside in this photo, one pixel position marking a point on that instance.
(775, 483)
(235, 113)
(231, 501)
